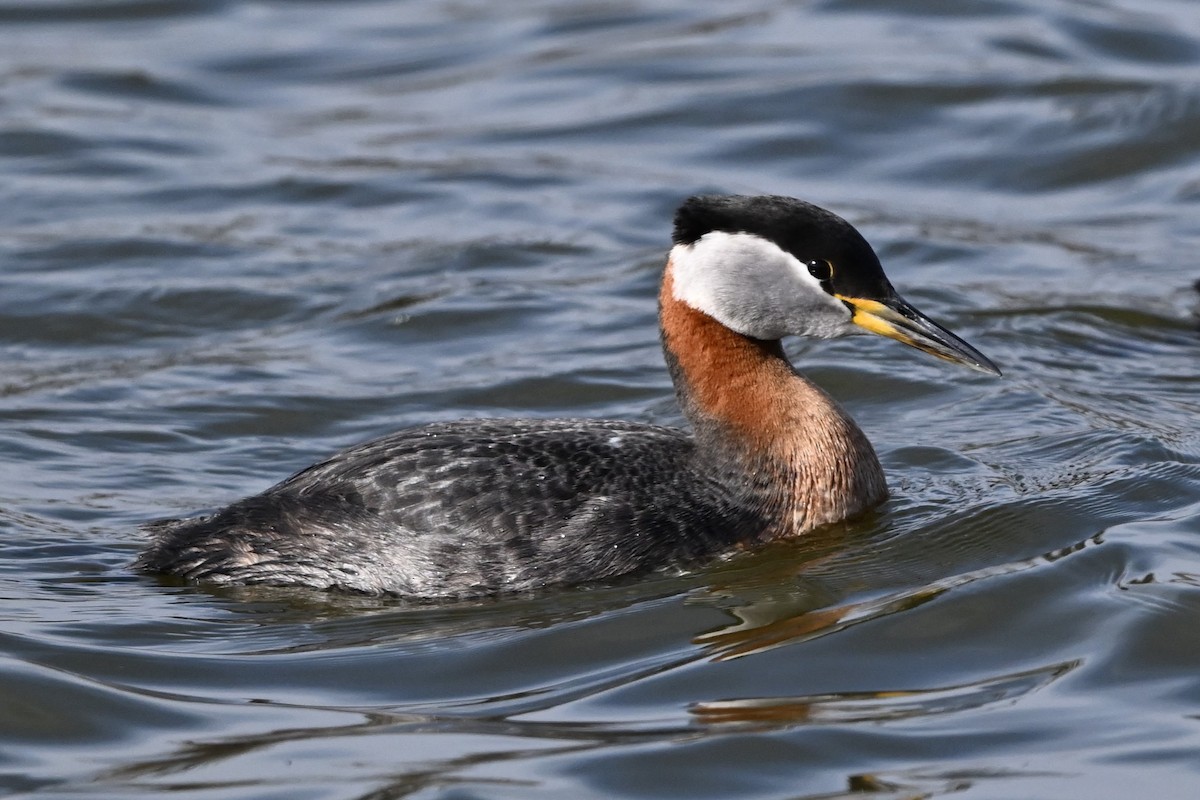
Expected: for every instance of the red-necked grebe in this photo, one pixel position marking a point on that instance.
(480, 507)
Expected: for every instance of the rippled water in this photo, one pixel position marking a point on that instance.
(236, 236)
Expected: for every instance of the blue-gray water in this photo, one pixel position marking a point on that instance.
(237, 236)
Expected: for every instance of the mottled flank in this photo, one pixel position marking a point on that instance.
(475, 507)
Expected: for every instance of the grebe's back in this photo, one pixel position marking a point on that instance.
(473, 507)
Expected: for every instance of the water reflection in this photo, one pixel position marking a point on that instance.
(786, 614)
(878, 706)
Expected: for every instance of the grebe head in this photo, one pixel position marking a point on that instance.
(768, 267)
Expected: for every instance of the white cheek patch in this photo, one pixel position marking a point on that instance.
(752, 286)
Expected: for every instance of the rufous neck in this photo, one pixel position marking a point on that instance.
(745, 400)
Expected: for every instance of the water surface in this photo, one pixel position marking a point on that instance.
(237, 236)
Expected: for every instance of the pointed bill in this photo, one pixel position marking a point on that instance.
(896, 319)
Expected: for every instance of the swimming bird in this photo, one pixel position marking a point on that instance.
(482, 507)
